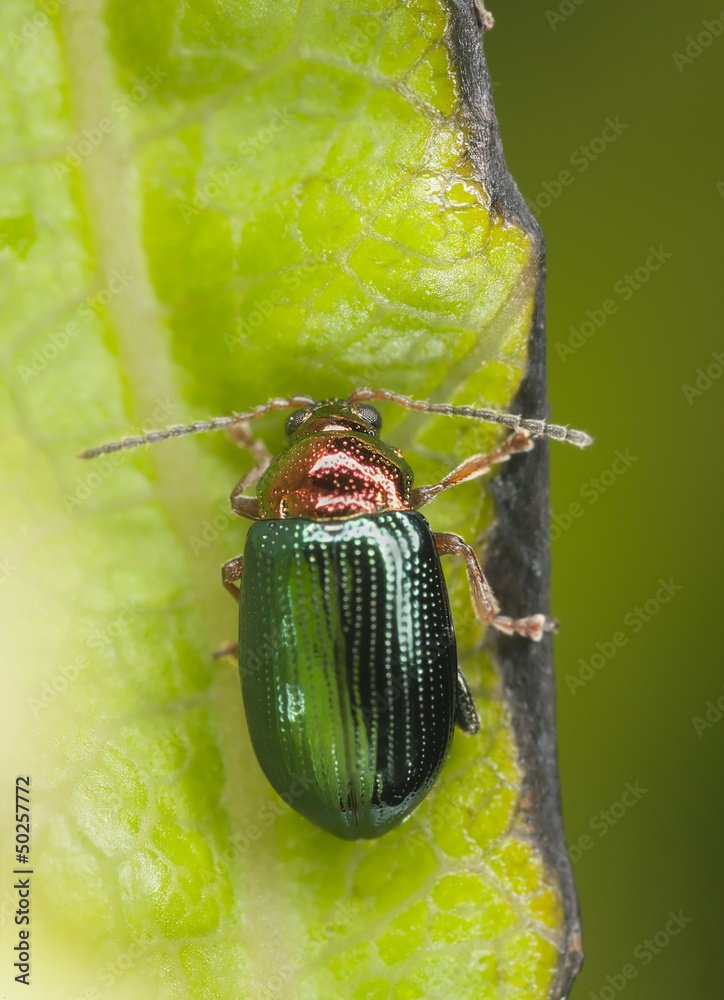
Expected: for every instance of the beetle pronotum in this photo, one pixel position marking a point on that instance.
(346, 645)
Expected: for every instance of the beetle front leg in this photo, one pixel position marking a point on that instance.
(231, 571)
(241, 505)
(245, 506)
(473, 467)
(486, 607)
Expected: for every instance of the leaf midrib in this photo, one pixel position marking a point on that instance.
(107, 182)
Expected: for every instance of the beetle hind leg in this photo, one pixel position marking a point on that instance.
(466, 716)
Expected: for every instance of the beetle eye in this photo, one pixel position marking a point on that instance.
(370, 416)
(295, 420)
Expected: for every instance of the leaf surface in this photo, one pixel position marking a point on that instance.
(203, 206)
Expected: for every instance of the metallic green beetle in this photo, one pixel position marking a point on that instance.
(346, 643)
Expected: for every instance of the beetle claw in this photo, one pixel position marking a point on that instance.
(533, 627)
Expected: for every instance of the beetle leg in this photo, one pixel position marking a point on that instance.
(486, 607)
(466, 716)
(230, 571)
(241, 435)
(227, 649)
(241, 505)
(244, 506)
(471, 468)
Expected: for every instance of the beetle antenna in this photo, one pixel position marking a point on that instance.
(537, 428)
(179, 430)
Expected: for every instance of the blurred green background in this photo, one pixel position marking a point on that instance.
(558, 79)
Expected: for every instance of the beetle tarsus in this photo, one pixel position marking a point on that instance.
(533, 627)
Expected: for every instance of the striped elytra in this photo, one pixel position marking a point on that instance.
(348, 665)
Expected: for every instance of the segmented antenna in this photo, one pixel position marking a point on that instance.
(537, 428)
(179, 430)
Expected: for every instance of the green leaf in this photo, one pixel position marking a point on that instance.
(202, 206)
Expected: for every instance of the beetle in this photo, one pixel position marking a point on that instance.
(346, 648)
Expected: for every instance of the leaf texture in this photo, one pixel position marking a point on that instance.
(204, 205)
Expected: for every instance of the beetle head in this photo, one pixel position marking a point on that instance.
(333, 415)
